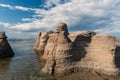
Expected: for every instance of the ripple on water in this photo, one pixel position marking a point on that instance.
(26, 66)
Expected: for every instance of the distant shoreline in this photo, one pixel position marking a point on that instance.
(20, 39)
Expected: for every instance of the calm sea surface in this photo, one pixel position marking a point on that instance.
(25, 65)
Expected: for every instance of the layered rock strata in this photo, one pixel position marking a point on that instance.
(102, 55)
(66, 53)
(41, 41)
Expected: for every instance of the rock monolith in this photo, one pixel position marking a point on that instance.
(5, 48)
(68, 53)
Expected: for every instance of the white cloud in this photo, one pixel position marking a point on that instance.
(17, 7)
(111, 28)
(26, 19)
(22, 8)
(74, 13)
(19, 34)
(3, 24)
(101, 15)
(11, 33)
(49, 3)
(6, 6)
(26, 26)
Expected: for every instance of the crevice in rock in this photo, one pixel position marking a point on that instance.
(117, 57)
(53, 68)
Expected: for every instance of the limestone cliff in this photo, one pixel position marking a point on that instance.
(67, 53)
(5, 49)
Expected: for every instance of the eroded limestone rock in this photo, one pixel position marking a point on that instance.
(49, 52)
(5, 49)
(63, 55)
(66, 53)
(62, 27)
(101, 55)
(41, 41)
(58, 50)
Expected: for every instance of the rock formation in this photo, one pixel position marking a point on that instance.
(41, 41)
(5, 49)
(57, 50)
(101, 55)
(66, 53)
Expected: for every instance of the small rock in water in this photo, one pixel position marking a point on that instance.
(5, 48)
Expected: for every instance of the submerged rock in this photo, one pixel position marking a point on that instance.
(5, 48)
(66, 53)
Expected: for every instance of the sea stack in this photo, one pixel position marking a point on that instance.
(58, 51)
(68, 53)
(5, 48)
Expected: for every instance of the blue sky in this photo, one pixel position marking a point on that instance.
(26, 18)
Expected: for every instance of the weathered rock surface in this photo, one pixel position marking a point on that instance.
(5, 49)
(101, 55)
(41, 41)
(58, 48)
(66, 53)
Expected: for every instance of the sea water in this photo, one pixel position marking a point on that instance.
(26, 65)
(23, 65)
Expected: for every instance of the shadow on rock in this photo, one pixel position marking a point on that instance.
(117, 57)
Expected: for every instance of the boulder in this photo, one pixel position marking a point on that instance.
(5, 48)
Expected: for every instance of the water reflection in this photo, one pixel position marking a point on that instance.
(4, 65)
(26, 65)
(23, 64)
(39, 55)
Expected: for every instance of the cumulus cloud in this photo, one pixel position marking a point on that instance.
(82, 14)
(16, 7)
(52, 3)
(26, 19)
(98, 15)
(13, 33)
(112, 27)
(3, 24)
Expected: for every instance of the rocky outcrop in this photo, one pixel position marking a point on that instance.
(66, 53)
(58, 50)
(41, 41)
(101, 55)
(5, 49)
